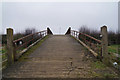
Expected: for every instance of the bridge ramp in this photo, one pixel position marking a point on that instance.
(58, 56)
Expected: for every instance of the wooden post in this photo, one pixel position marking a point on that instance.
(10, 46)
(79, 36)
(15, 53)
(105, 45)
(74, 33)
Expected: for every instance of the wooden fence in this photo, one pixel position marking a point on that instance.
(97, 47)
(94, 44)
(15, 48)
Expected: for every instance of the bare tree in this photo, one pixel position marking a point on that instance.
(30, 31)
(84, 29)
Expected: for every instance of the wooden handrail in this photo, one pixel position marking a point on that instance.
(28, 36)
(87, 42)
(88, 36)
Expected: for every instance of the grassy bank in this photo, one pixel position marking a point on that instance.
(113, 49)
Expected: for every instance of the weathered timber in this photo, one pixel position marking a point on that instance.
(10, 47)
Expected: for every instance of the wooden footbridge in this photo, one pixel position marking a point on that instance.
(73, 55)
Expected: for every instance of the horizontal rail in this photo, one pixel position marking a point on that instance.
(27, 40)
(4, 60)
(24, 44)
(88, 36)
(24, 50)
(94, 53)
(91, 43)
(29, 35)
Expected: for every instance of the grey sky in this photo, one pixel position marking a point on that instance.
(21, 15)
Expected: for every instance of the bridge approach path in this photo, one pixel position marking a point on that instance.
(58, 56)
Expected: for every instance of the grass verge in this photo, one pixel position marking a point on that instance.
(98, 65)
(100, 70)
(113, 49)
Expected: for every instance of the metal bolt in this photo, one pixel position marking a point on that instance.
(101, 35)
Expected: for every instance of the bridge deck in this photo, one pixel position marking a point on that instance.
(58, 56)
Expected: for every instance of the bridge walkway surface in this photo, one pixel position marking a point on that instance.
(59, 56)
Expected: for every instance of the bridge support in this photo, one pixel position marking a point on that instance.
(49, 31)
(10, 48)
(68, 31)
(105, 45)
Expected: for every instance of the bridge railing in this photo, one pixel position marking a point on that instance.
(93, 43)
(24, 42)
(99, 48)
(15, 48)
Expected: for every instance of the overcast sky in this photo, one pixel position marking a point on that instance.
(59, 15)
